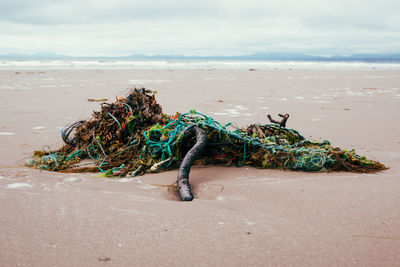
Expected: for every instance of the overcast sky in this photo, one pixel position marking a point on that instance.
(205, 27)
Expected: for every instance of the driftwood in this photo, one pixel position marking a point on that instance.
(281, 123)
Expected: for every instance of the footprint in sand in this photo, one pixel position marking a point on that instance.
(202, 191)
(209, 191)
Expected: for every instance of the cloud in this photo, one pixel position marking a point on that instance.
(122, 27)
(87, 12)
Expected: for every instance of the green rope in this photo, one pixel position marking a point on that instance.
(74, 155)
(119, 124)
(112, 170)
(279, 148)
(104, 163)
(309, 156)
(130, 109)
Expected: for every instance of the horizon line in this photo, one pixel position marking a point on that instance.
(253, 56)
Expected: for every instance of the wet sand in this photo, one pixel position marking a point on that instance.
(240, 216)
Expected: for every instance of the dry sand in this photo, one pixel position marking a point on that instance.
(240, 216)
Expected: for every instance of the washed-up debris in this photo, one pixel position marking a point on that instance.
(132, 136)
(281, 123)
(97, 100)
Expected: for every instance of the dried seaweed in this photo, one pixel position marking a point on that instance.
(133, 136)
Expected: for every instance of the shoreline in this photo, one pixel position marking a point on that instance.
(47, 64)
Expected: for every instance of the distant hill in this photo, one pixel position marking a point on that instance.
(368, 57)
(282, 57)
(256, 56)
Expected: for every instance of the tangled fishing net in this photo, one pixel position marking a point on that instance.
(133, 136)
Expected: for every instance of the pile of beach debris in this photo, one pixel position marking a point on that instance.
(132, 136)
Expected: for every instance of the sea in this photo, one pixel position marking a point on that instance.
(197, 64)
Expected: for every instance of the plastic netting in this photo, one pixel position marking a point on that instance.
(132, 136)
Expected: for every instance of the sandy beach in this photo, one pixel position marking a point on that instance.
(240, 216)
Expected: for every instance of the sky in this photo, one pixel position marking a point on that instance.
(203, 28)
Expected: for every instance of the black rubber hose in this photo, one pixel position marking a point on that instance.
(65, 132)
(185, 191)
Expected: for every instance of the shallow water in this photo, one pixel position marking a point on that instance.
(117, 63)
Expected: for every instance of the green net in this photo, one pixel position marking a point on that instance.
(132, 136)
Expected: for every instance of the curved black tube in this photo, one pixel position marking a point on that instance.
(67, 130)
(185, 192)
